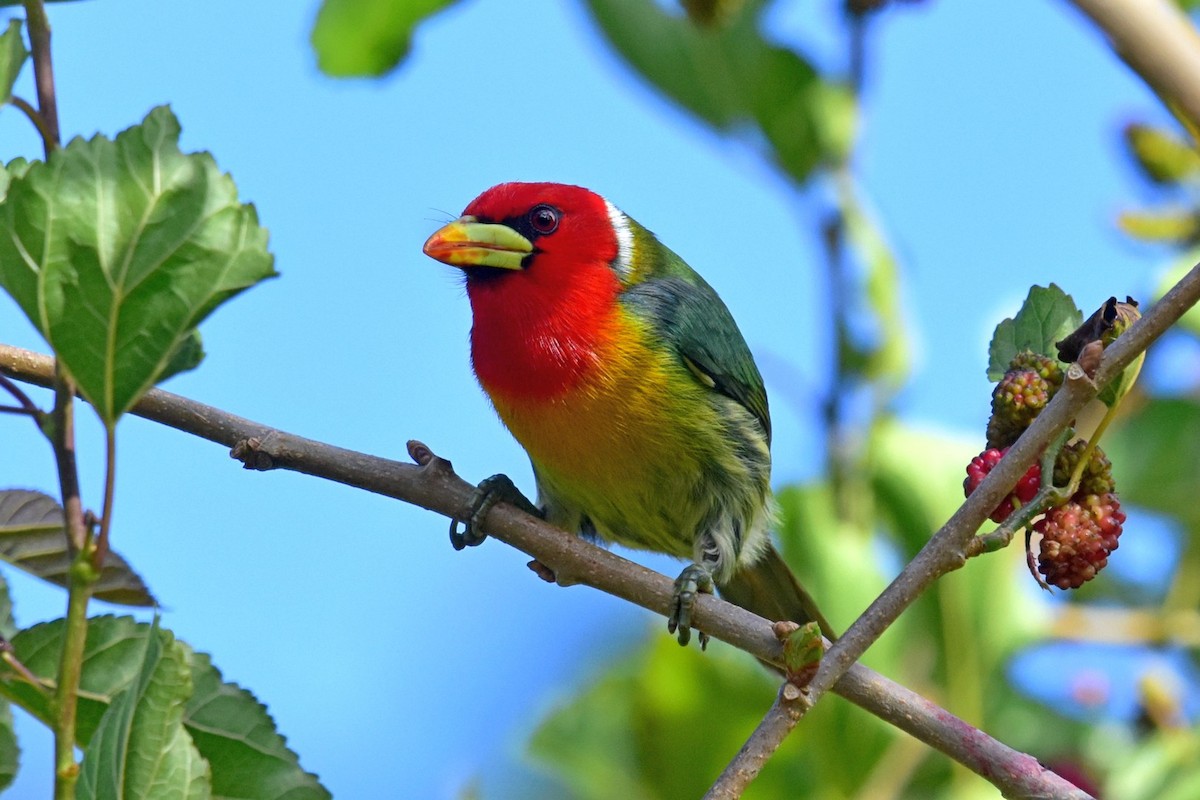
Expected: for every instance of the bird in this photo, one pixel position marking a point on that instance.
(625, 378)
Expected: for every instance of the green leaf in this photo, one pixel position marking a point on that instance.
(10, 750)
(1169, 226)
(1190, 321)
(365, 38)
(1047, 315)
(32, 539)
(231, 729)
(1156, 457)
(117, 250)
(1163, 157)
(141, 749)
(237, 736)
(12, 58)
(13, 169)
(889, 357)
(732, 77)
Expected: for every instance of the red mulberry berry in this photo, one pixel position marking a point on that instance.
(1024, 491)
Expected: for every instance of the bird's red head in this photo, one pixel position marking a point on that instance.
(543, 263)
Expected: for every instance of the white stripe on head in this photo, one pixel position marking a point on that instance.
(624, 261)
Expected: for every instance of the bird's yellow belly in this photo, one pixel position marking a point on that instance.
(627, 451)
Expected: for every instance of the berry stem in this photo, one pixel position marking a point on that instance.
(1086, 456)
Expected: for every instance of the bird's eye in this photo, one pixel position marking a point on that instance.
(544, 219)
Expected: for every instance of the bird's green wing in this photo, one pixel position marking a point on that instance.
(688, 314)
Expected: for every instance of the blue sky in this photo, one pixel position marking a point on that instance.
(988, 146)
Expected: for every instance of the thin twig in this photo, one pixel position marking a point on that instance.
(34, 116)
(434, 486)
(778, 722)
(38, 26)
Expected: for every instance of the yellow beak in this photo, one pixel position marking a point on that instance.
(469, 243)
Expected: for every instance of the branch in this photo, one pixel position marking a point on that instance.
(950, 546)
(433, 485)
(780, 718)
(1159, 43)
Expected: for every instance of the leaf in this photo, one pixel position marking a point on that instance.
(10, 750)
(230, 728)
(1047, 315)
(237, 736)
(32, 539)
(1170, 226)
(12, 58)
(141, 749)
(187, 357)
(1190, 321)
(1162, 157)
(732, 77)
(1156, 458)
(889, 358)
(367, 38)
(647, 728)
(117, 250)
(13, 169)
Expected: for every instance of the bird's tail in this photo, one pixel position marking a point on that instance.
(768, 588)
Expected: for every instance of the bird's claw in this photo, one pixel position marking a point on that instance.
(693, 580)
(496, 489)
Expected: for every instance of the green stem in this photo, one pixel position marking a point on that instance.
(43, 72)
(81, 580)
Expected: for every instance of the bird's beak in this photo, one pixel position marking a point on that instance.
(467, 242)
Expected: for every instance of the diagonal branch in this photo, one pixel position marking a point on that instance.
(950, 546)
(433, 485)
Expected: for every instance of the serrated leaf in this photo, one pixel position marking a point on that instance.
(141, 749)
(117, 250)
(367, 38)
(1047, 315)
(32, 539)
(13, 55)
(733, 77)
(231, 729)
(13, 169)
(237, 736)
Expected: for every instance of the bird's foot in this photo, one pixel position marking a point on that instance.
(693, 580)
(496, 489)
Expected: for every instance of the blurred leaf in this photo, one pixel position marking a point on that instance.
(117, 250)
(1163, 157)
(1047, 315)
(1190, 321)
(711, 12)
(1171, 227)
(12, 58)
(32, 539)
(367, 38)
(1156, 457)
(13, 169)
(1165, 766)
(140, 748)
(237, 736)
(731, 77)
(10, 750)
(229, 727)
(663, 723)
(889, 359)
